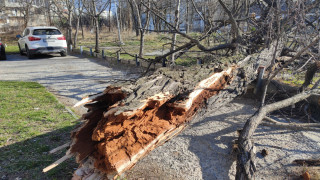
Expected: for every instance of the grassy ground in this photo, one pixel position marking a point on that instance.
(295, 79)
(12, 49)
(32, 122)
(153, 42)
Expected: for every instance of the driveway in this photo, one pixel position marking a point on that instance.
(70, 78)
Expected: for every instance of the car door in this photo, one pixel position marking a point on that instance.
(23, 39)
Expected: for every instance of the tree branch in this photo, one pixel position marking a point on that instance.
(295, 126)
(246, 157)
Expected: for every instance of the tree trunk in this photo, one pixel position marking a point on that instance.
(110, 16)
(118, 27)
(26, 18)
(141, 43)
(156, 108)
(120, 15)
(97, 49)
(174, 36)
(187, 17)
(49, 14)
(135, 19)
(143, 30)
(124, 124)
(69, 32)
(81, 24)
(75, 42)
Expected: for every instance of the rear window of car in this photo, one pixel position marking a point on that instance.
(46, 32)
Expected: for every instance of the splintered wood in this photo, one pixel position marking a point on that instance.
(125, 123)
(117, 137)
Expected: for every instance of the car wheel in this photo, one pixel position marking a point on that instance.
(29, 54)
(63, 54)
(20, 50)
(3, 54)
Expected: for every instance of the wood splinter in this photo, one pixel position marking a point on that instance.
(59, 148)
(55, 164)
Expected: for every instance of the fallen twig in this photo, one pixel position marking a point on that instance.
(308, 162)
(296, 126)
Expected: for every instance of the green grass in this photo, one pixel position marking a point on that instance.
(32, 122)
(288, 77)
(12, 49)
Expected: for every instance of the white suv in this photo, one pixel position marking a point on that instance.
(42, 40)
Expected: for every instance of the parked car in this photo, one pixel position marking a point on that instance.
(42, 40)
(2, 51)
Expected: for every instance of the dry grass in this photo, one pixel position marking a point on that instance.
(153, 42)
(109, 41)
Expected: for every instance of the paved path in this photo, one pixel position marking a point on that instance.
(70, 78)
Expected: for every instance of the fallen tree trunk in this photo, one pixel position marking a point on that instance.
(123, 124)
(122, 132)
(118, 133)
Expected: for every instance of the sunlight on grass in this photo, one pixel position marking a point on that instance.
(32, 123)
(12, 49)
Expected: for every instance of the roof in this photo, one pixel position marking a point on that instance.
(41, 27)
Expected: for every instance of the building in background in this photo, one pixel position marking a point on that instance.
(17, 14)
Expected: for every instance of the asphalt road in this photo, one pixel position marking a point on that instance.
(70, 78)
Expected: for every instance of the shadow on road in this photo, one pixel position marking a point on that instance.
(18, 57)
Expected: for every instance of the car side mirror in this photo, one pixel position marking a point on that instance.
(18, 36)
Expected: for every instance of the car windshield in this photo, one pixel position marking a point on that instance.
(46, 32)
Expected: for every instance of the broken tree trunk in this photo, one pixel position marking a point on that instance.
(123, 124)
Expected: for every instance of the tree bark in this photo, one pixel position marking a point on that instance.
(187, 17)
(174, 36)
(75, 40)
(135, 18)
(109, 17)
(69, 29)
(97, 48)
(118, 27)
(157, 108)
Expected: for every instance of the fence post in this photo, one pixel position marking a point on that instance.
(164, 62)
(102, 53)
(118, 56)
(81, 50)
(70, 47)
(91, 54)
(199, 61)
(137, 62)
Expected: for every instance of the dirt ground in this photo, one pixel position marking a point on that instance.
(204, 149)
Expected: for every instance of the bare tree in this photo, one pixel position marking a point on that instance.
(94, 9)
(174, 36)
(118, 23)
(64, 9)
(78, 11)
(26, 10)
(142, 28)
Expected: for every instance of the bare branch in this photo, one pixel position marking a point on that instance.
(295, 126)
